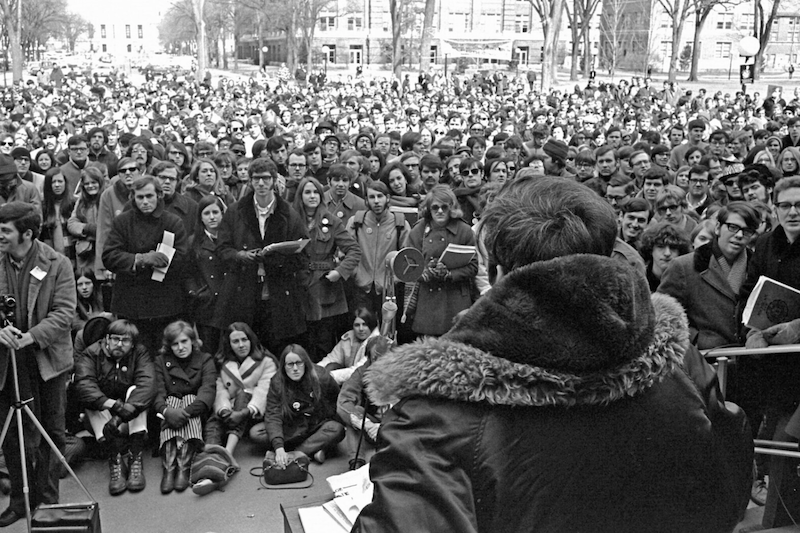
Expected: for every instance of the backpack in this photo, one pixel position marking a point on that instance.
(399, 224)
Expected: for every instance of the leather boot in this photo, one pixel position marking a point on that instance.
(185, 457)
(169, 462)
(136, 481)
(117, 474)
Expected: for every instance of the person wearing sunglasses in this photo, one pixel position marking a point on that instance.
(443, 291)
(670, 206)
(112, 203)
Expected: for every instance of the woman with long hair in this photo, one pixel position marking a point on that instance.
(329, 239)
(89, 298)
(397, 177)
(82, 223)
(468, 193)
(301, 409)
(185, 392)
(45, 160)
(205, 180)
(349, 353)
(179, 154)
(789, 161)
(245, 371)
(207, 270)
(56, 210)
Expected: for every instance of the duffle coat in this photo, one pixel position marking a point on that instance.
(198, 378)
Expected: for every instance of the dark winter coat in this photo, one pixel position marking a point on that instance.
(439, 300)
(99, 377)
(560, 402)
(285, 275)
(702, 289)
(205, 279)
(198, 378)
(136, 295)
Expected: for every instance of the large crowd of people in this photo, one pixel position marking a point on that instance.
(228, 244)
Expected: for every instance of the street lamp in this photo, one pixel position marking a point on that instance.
(325, 52)
(264, 50)
(748, 47)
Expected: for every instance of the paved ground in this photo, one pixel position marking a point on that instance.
(242, 508)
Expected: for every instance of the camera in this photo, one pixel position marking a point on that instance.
(8, 307)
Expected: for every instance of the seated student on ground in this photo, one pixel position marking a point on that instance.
(350, 352)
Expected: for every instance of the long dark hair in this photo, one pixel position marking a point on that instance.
(50, 199)
(310, 380)
(94, 304)
(225, 353)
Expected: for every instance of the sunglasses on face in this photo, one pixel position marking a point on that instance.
(473, 172)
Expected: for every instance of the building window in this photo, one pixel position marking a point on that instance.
(722, 50)
(127, 31)
(331, 53)
(746, 22)
(354, 24)
(491, 22)
(725, 21)
(665, 20)
(102, 31)
(327, 23)
(793, 33)
(129, 49)
(105, 48)
(521, 24)
(141, 32)
(666, 49)
(458, 22)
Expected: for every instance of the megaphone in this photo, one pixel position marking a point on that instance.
(407, 264)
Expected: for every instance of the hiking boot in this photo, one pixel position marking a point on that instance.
(117, 475)
(136, 480)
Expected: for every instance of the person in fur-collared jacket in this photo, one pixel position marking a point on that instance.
(567, 399)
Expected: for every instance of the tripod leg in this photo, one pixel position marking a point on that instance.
(7, 424)
(26, 488)
(55, 449)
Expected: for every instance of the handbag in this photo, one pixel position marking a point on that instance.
(294, 476)
(66, 518)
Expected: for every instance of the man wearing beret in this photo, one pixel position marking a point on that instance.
(43, 285)
(13, 188)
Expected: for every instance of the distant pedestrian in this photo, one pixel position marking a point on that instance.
(791, 71)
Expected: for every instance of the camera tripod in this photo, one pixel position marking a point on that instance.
(15, 411)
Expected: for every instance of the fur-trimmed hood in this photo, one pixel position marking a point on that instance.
(576, 330)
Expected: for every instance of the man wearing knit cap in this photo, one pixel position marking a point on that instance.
(22, 158)
(42, 282)
(555, 156)
(13, 188)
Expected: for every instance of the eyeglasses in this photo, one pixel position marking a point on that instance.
(697, 182)
(473, 171)
(615, 198)
(584, 165)
(664, 208)
(116, 339)
(262, 178)
(296, 165)
(236, 129)
(71, 148)
(442, 208)
(174, 152)
(295, 364)
(785, 207)
(735, 228)
(128, 170)
(203, 154)
(7, 143)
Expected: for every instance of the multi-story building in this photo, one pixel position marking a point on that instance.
(124, 30)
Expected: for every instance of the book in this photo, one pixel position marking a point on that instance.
(457, 256)
(286, 247)
(770, 303)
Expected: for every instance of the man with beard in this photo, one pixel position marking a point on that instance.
(431, 168)
(99, 153)
(378, 231)
(115, 383)
(143, 292)
(41, 281)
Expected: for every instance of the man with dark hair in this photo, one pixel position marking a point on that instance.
(297, 168)
(98, 152)
(115, 383)
(430, 169)
(634, 215)
(607, 166)
(41, 281)
(580, 370)
(278, 153)
(78, 150)
(262, 288)
(793, 137)
(149, 278)
(756, 186)
(697, 128)
(166, 172)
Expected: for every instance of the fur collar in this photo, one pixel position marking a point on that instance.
(578, 330)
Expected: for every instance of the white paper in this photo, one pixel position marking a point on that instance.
(317, 520)
(166, 248)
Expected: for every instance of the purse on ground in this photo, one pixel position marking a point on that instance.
(67, 518)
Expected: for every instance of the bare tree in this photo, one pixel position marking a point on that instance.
(702, 10)
(427, 36)
(580, 19)
(764, 30)
(612, 28)
(11, 21)
(549, 12)
(40, 21)
(198, 7)
(72, 27)
(678, 11)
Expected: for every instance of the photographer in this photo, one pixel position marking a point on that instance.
(38, 289)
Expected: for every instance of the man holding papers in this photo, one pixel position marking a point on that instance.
(146, 249)
(446, 283)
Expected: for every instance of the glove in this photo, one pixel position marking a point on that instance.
(111, 429)
(175, 418)
(125, 411)
(440, 271)
(786, 333)
(245, 256)
(755, 339)
(237, 417)
(154, 260)
(90, 230)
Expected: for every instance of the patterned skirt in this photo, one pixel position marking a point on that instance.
(193, 430)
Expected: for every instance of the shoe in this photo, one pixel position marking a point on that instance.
(204, 486)
(117, 475)
(9, 516)
(136, 480)
(320, 456)
(758, 492)
(185, 456)
(169, 462)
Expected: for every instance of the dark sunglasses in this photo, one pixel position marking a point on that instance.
(474, 172)
(128, 170)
